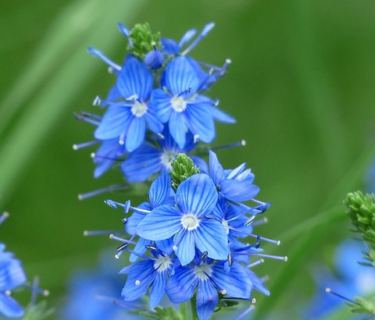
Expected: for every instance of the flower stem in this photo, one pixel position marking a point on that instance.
(193, 308)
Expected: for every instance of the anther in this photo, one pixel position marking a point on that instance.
(100, 232)
(174, 248)
(124, 221)
(196, 138)
(151, 247)
(122, 247)
(204, 256)
(3, 217)
(251, 265)
(137, 282)
(223, 292)
(97, 101)
(230, 260)
(85, 144)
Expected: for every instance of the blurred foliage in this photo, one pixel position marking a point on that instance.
(300, 86)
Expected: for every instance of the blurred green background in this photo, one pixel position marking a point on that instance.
(301, 87)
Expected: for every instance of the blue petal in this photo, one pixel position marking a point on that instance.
(160, 190)
(236, 282)
(153, 122)
(207, 299)
(136, 133)
(170, 46)
(154, 59)
(181, 285)
(200, 163)
(158, 289)
(187, 37)
(140, 248)
(197, 195)
(217, 173)
(162, 223)
(113, 95)
(180, 76)
(114, 122)
(162, 103)
(165, 246)
(220, 115)
(200, 122)
(10, 307)
(257, 283)
(238, 190)
(11, 274)
(135, 78)
(211, 236)
(143, 271)
(186, 247)
(133, 222)
(142, 163)
(177, 128)
(232, 174)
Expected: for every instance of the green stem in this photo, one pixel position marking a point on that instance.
(193, 308)
(184, 310)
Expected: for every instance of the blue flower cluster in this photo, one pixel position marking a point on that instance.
(157, 107)
(11, 277)
(185, 242)
(192, 237)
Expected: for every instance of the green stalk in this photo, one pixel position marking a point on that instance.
(193, 308)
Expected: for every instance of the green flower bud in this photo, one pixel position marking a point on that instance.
(143, 40)
(182, 168)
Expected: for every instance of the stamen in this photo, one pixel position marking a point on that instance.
(88, 233)
(328, 290)
(231, 145)
(4, 216)
(113, 237)
(126, 32)
(90, 194)
(277, 242)
(100, 55)
(91, 115)
(260, 222)
(123, 303)
(230, 260)
(139, 281)
(81, 117)
(243, 315)
(269, 256)
(258, 262)
(122, 247)
(207, 28)
(85, 144)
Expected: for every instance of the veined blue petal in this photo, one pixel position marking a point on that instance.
(177, 128)
(158, 289)
(236, 171)
(186, 247)
(236, 282)
(142, 163)
(142, 271)
(200, 122)
(165, 246)
(197, 195)
(135, 79)
(10, 307)
(113, 95)
(136, 133)
(139, 248)
(115, 121)
(152, 120)
(160, 190)
(180, 76)
(238, 190)
(181, 285)
(216, 170)
(160, 224)
(133, 222)
(211, 236)
(162, 103)
(11, 274)
(207, 299)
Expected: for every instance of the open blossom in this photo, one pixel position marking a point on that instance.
(11, 276)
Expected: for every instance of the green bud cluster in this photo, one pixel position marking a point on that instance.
(361, 210)
(182, 168)
(142, 39)
(363, 306)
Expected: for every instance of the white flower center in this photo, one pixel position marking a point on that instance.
(139, 109)
(167, 157)
(190, 221)
(203, 271)
(225, 225)
(162, 263)
(178, 104)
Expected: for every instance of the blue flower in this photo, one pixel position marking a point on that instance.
(127, 120)
(11, 276)
(235, 185)
(196, 197)
(210, 277)
(141, 275)
(160, 193)
(150, 159)
(182, 106)
(108, 153)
